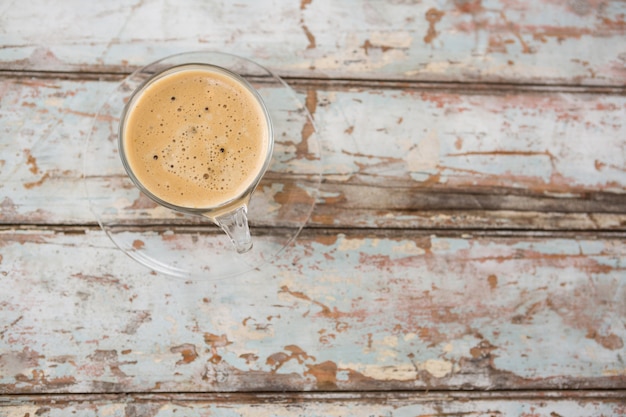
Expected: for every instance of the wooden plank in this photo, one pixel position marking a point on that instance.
(558, 42)
(354, 311)
(463, 159)
(288, 404)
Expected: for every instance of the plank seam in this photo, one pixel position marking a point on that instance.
(489, 87)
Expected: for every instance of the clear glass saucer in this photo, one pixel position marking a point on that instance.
(189, 246)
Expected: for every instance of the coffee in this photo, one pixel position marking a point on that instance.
(196, 137)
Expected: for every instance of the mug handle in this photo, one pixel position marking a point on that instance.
(235, 224)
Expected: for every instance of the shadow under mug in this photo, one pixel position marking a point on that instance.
(231, 214)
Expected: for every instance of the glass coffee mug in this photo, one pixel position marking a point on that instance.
(197, 138)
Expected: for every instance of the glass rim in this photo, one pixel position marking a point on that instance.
(224, 206)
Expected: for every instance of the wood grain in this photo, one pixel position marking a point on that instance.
(354, 311)
(555, 42)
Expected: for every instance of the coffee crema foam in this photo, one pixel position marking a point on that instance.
(196, 138)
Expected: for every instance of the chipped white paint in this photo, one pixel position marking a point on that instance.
(408, 248)
(438, 368)
(409, 336)
(615, 372)
(402, 372)
(401, 39)
(350, 244)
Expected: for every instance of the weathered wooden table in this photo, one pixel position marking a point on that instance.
(466, 253)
